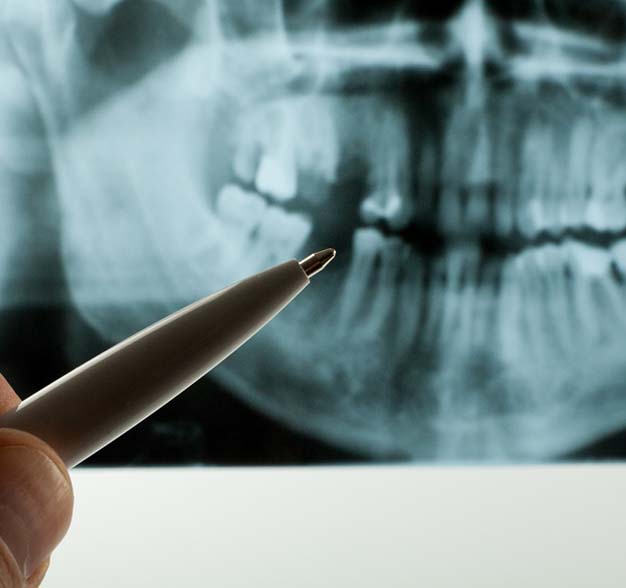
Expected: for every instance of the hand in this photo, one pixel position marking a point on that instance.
(36, 502)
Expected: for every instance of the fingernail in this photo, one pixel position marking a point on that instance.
(35, 504)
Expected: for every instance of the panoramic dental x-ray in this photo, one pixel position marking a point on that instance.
(466, 159)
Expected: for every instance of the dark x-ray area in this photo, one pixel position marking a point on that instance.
(466, 158)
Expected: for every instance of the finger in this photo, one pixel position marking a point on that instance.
(8, 398)
(37, 576)
(37, 500)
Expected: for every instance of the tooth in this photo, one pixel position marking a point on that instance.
(532, 321)
(455, 259)
(317, 141)
(584, 306)
(389, 199)
(282, 234)
(478, 211)
(392, 208)
(455, 166)
(550, 266)
(535, 156)
(366, 244)
(450, 210)
(510, 333)
(577, 178)
(556, 169)
(277, 173)
(618, 253)
(479, 178)
(588, 260)
(505, 145)
(384, 291)
(483, 328)
(248, 135)
(607, 210)
(246, 161)
(467, 296)
(239, 207)
(434, 287)
(409, 300)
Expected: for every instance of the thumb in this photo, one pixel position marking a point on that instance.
(36, 502)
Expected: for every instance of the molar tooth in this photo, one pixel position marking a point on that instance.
(276, 131)
(276, 175)
(366, 243)
(395, 210)
(283, 233)
(239, 207)
(389, 199)
(384, 291)
(588, 260)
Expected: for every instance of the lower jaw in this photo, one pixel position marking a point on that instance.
(520, 358)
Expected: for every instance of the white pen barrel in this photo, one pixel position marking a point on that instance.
(100, 400)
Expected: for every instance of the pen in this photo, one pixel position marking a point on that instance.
(95, 403)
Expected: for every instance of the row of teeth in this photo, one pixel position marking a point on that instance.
(558, 179)
(386, 274)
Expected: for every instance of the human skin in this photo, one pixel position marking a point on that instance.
(36, 502)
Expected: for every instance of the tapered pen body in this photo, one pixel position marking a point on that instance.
(100, 400)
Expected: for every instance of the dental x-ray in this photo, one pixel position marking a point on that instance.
(467, 159)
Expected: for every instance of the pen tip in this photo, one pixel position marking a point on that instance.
(316, 262)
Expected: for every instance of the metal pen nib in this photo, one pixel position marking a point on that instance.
(316, 262)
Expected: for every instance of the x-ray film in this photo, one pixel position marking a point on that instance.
(467, 159)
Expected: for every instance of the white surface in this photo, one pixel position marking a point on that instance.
(363, 527)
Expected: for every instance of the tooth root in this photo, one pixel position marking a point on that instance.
(385, 287)
(431, 328)
(510, 333)
(467, 297)
(454, 261)
(549, 270)
(532, 323)
(409, 300)
(366, 244)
